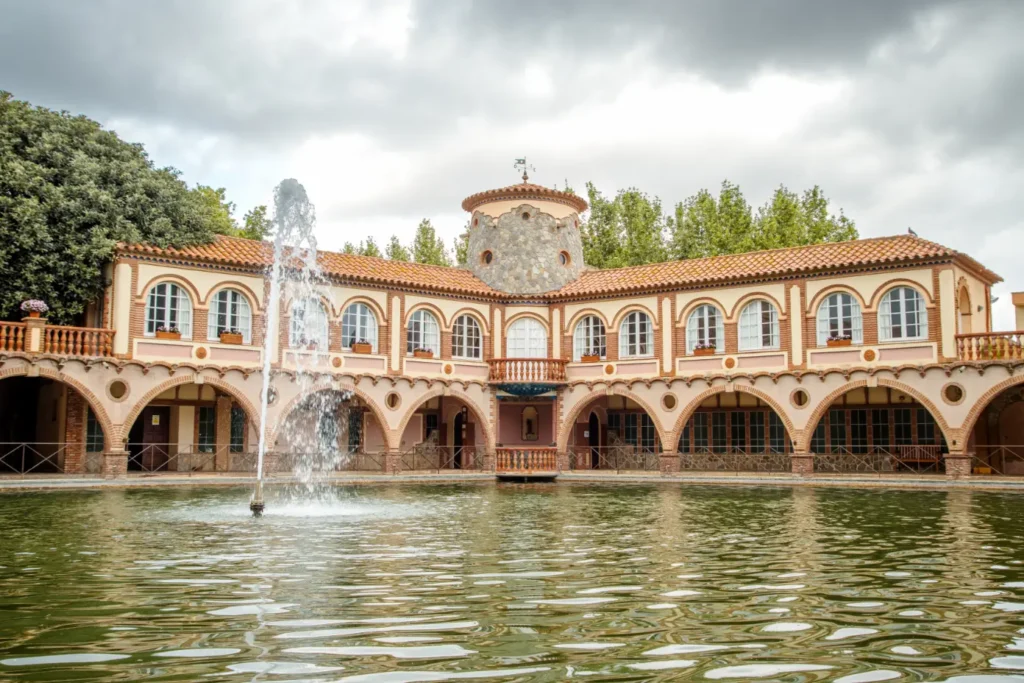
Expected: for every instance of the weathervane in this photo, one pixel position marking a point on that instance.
(521, 165)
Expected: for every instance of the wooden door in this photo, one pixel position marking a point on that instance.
(457, 441)
(156, 433)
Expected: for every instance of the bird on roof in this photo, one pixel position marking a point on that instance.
(910, 231)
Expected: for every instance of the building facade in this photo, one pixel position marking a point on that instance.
(874, 355)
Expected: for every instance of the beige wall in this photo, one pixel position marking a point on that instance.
(496, 209)
(728, 297)
(204, 281)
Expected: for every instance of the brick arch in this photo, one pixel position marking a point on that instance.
(981, 404)
(566, 427)
(481, 418)
(527, 314)
(826, 403)
(378, 312)
(684, 315)
(272, 432)
(883, 289)
(814, 304)
(570, 325)
(176, 279)
(110, 433)
(692, 406)
(733, 315)
(250, 410)
(630, 308)
(244, 289)
(472, 313)
(442, 322)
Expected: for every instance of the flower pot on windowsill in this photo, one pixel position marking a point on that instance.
(231, 338)
(838, 342)
(362, 348)
(420, 353)
(590, 359)
(165, 334)
(704, 352)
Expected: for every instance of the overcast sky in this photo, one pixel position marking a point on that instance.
(908, 113)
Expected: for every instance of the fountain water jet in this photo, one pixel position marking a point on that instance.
(295, 266)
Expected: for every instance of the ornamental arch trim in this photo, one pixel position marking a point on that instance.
(479, 413)
(566, 426)
(694, 404)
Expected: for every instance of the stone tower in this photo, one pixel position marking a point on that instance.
(525, 238)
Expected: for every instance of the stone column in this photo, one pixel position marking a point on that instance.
(668, 463)
(115, 463)
(222, 456)
(802, 464)
(958, 465)
(34, 334)
(74, 433)
(487, 461)
(562, 459)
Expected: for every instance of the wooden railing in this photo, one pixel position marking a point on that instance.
(544, 370)
(78, 341)
(526, 460)
(990, 346)
(12, 336)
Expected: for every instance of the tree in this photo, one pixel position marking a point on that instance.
(69, 192)
(218, 210)
(706, 226)
(395, 251)
(257, 226)
(427, 247)
(370, 248)
(625, 231)
(461, 247)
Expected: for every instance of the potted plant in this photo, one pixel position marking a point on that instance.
(231, 336)
(362, 346)
(421, 352)
(168, 332)
(34, 307)
(703, 349)
(589, 357)
(839, 340)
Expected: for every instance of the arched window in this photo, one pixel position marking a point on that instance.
(636, 336)
(527, 338)
(358, 324)
(229, 312)
(839, 318)
(423, 332)
(902, 315)
(308, 324)
(705, 329)
(759, 326)
(168, 308)
(589, 338)
(466, 339)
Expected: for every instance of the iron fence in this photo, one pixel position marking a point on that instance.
(622, 458)
(878, 460)
(734, 460)
(432, 458)
(19, 457)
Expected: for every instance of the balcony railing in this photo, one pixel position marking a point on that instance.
(12, 336)
(525, 460)
(78, 341)
(990, 346)
(528, 370)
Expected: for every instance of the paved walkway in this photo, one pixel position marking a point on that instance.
(44, 481)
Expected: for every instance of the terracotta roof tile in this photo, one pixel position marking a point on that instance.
(902, 249)
(773, 263)
(524, 191)
(244, 253)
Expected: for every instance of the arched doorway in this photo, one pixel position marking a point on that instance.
(734, 431)
(330, 430)
(879, 430)
(442, 433)
(47, 426)
(192, 428)
(616, 433)
(997, 437)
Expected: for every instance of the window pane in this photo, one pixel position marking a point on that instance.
(902, 428)
(757, 436)
(859, 431)
(207, 429)
(837, 430)
(237, 429)
(738, 430)
(93, 433)
(718, 432)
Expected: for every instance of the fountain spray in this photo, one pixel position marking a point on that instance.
(294, 217)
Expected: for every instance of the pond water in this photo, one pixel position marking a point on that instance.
(405, 583)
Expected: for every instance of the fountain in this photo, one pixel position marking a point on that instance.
(319, 446)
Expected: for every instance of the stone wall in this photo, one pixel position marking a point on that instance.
(525, 245)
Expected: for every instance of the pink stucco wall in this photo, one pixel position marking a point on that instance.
(510, 427)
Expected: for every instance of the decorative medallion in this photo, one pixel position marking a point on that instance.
(730, 363)
(609, 369)
(953, 394)
(336, 361)
(869, 355)
(448, 369)
(201, 352)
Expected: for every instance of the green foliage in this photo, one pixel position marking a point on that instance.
(396, 251)
(461, 247)
(217, 210)
(258, 225)
(69, 192)
(370, 248)
(625, 231)
(427, 247)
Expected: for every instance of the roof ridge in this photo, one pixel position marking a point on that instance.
(800, 247)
